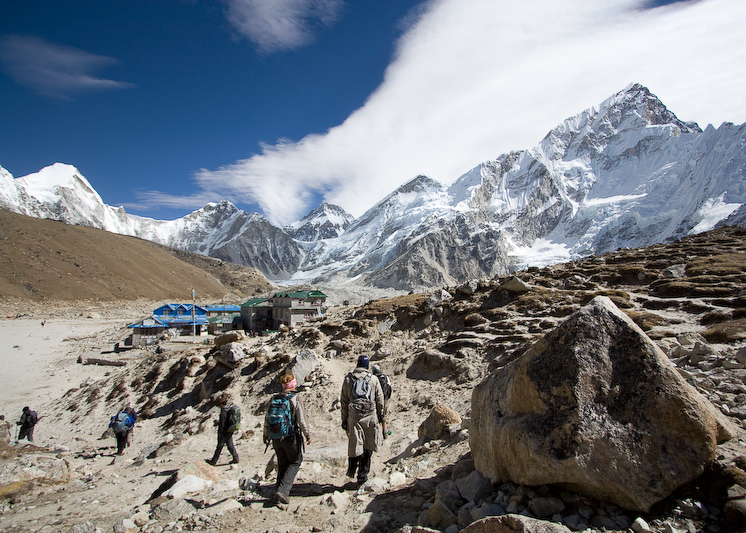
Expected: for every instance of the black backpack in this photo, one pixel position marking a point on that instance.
(233, 422)
(385, 385)
(31, 419)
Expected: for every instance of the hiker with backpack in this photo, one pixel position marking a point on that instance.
(228, 423)
(363, 412)
(121, 423)
(133, 415)
(285, 427)
(385, 382)
(27, 422)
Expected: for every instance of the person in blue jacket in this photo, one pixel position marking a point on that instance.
(122, 424)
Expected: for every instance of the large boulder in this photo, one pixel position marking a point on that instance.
(595, 407)
(438, 423)
(305, 362)
(229, 337)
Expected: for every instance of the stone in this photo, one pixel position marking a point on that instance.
(436, 299)
(543, 507)
(735, 514)
(436, 425)
(41, 469)
(601, 521)
(595, 407)
(514, 285)
(305, 362)
(741, 355)
(464, 514)
(475, 486)
(172, 510)
(462, 468)
(513, 523)
(338, 500)
(140, 518)
(126, 526)
(397, 479)
(485, 510)
(438, 515)
(229, 337)
(376, 485)
(187, 485)
(230, 355)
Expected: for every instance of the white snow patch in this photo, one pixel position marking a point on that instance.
(713, 211)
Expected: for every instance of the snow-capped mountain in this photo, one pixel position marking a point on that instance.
(325, 222)
(624, 173)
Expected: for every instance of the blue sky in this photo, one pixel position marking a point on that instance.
(277, 105)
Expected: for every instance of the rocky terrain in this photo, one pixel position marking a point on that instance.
(689, 297)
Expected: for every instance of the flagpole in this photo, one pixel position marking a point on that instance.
(194, 326)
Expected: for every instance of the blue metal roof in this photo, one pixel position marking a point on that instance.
(150, 322)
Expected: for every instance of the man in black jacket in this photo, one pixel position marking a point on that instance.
(27, 422)
(225, 432)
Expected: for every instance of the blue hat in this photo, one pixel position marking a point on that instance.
(363, 361)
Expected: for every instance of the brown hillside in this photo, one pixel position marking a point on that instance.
(44, 260)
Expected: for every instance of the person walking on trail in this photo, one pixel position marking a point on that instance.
(285, 427)
(363, 411)
(122, 424)
(133, 415)
(27, 422)
(228, 423)
(385, 382)
(4, 430)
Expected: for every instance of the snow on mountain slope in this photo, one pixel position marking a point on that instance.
(325, 222)
(624, 173)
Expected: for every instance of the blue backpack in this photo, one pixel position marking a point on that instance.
(119, 422)
(280, 417)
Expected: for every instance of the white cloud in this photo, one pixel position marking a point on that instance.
(478, 78)
(275, 25)
(54, 70)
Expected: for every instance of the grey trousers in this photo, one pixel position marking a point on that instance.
(225, 439)
(289, 459)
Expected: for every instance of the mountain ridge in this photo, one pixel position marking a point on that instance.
(624, 173)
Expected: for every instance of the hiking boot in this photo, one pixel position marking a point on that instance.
(210, 462)
(352, 468)
(234, 462)
(281, 497)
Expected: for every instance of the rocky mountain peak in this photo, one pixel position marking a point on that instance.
(324, 222)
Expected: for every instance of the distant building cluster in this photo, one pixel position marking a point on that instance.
(256, 315)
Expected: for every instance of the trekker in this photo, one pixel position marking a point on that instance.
(122, 424)
(4, 429)
(285, 426)
(228, 423)
(133, 415)
(27, 422)
(362, 416)
(385, 382)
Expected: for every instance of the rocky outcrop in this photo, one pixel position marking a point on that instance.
(596, 407)
(437, 425)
